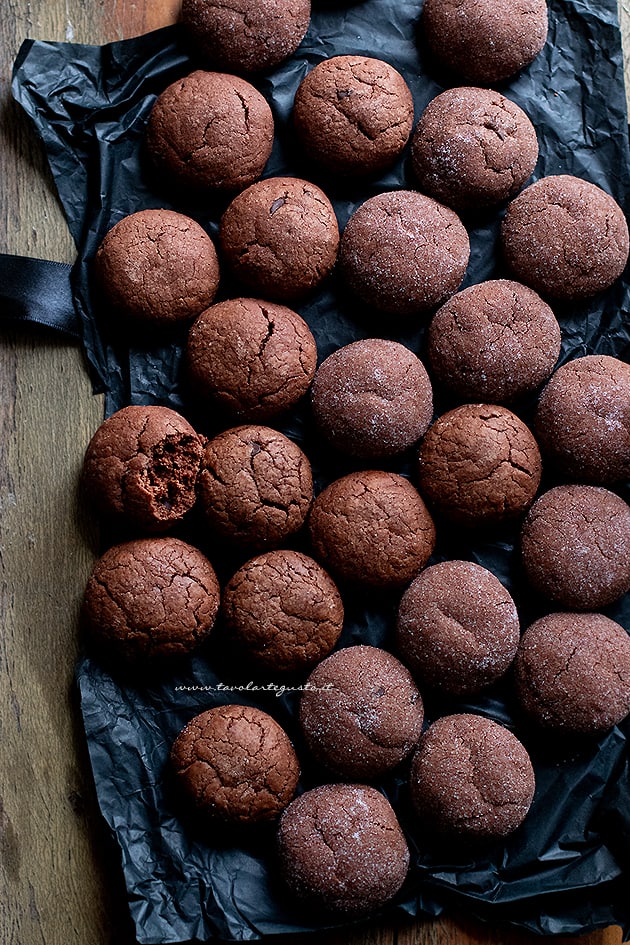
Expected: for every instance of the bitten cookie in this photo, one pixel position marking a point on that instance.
(341, 849)
(210, 131)
(280, 237)
(575, 546)
(471, 777)
(572, 673)
(150, 599)
(565, 237)
(157, 267)
(252, 359)
(255, 487)
(372, 528)
(235, 764)
(479, 465)
(457, 627)
(583, 419)
(353, 114)
(372, 398)
(485, 41)
(473, 148)
(404, 253)
(246, 35)
(361, 713)
(141, 467)
(283, 610)
(493, 342)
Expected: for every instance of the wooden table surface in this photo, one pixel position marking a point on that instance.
(60, 883)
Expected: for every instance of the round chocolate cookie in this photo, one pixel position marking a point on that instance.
(283, 610)
(583, 419)
(573, 673)
(150, 599)
(157, 267)
(210, 131)
(246, 35)
(353, 114)
(493, 342)
(280, 237)
(479, 465)
(457, 628)
(372, 528)
(341, 848)
(235, 764)
(471, 777)
(575, 546)
(473, 148)
(404, 253)
(372, 398)
(565, 237)
(361, 713)
(250, 358)
(485, 41)
(141, 467)
(255, 486)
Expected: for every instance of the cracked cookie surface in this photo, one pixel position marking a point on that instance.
(471, 777)
(341, 848)
(353, 114)
(363, 714)
(236, 764)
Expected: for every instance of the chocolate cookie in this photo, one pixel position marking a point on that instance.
(341, 848)
(372, 528)
(141, 466)
(361, 713)
(157, 267)
(280, 237)
(471, 777)
(283, 610)
(583, 419)
(255, 487)
(250, 358)
(457, 627)
(150, 599)
(235, 763)
(246, 35)
(575, 546)
(479, 465)
(210, 131)
(372, 398)
(493, 342)
(565, 237)
(573, 673)
(473, 148)
(404, 253)
(485, 41)
(353, 114)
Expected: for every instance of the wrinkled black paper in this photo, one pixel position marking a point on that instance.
(567, 869)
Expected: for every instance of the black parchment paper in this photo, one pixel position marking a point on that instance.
(568, 868)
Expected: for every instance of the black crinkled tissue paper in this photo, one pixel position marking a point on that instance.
(567, 869)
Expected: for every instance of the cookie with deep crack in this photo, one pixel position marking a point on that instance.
(353, 114)
(235, 764)
(341, 849)
(361, 713)
(280, 237)
(141, 466)
(150, 600)
(210, 131)
(252, 359)
(283, 611)
(473, 148)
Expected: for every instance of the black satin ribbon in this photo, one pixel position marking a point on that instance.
(38, 290)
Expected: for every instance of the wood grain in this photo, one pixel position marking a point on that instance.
(59, 878)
